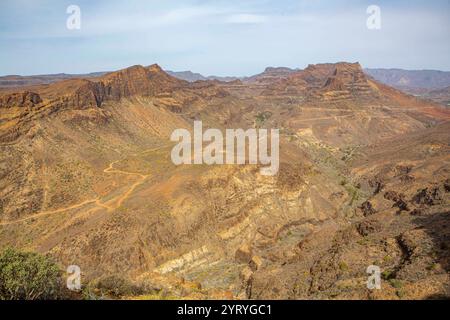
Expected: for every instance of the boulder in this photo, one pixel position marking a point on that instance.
(243, 254)
(367, 209)
(255, 263)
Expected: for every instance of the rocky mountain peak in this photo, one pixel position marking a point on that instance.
(155, 68)
(132, 81)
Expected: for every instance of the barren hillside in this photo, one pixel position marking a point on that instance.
(86, 176)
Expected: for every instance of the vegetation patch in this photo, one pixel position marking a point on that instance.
(29, 276)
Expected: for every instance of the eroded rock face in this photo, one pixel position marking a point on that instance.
(255, 263)
(21, 100)
(367, 209)
(244, 254)
(348, 82)
(368, 226)
(329, 83)
(136, 80)
(91, 180)
(428, 197)
(82, 94)
(85, 93)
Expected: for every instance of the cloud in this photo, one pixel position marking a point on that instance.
(185, 14)
(244, 18)
(222, 36)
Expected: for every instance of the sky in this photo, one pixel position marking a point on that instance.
(220, 37)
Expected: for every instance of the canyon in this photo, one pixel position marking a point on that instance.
(86, 177)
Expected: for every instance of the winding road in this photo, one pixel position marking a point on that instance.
(110, 205)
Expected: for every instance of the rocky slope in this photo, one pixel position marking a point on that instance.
(402, 227)
(86, 176)
(441, 96)
(78, 94)
(337, 83)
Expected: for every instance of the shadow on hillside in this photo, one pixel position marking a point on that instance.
(437, 227)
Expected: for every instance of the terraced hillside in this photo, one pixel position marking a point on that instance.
(86, 176)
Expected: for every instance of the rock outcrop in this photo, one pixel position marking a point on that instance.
(81, 94)
(20, 99)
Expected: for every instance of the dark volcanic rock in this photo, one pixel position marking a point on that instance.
(367, 208)
(368, 227)
(427, 197)
(398, 199)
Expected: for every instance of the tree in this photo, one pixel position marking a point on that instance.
(28, 276)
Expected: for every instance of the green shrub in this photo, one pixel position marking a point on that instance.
(387, 275)
(397, 284)
(28, 276)
(400, 294)
(343, 266)
(262, 117)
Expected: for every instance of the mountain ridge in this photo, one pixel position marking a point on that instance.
(86, 177)
(413, 81)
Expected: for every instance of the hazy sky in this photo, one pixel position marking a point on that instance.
(229, 37)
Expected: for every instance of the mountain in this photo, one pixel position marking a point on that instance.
(416, 82)
(413, 79)
(402, 220)
(86, 177)
(16, 81)
(187, 75)
(336, 84)
(428, 84)
(74, 94)
(192, 77)
(270, 73)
